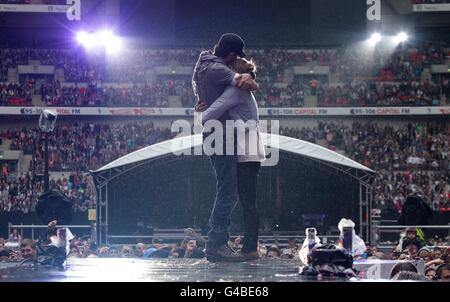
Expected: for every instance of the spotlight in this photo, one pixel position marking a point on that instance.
(111, 42)
(401, 37)
(375, 38)
(88, 40)
(114, 45)
(104, 39)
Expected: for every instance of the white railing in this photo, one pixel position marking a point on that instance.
(378, 229)
(275, 239)
(21, 227)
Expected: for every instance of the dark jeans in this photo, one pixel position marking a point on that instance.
(225, 167)
(247, 187)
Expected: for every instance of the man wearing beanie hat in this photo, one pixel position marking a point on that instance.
(229, 43)
(211, 77)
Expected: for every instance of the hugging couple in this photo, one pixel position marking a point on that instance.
(223, 82)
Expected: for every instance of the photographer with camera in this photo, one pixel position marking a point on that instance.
(329, 261)
(191, 249)
(348, 239)
(55, 248)
(311, 242)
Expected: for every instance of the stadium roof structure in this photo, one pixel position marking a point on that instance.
(176, 147)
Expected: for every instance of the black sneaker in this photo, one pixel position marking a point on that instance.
(223, 254)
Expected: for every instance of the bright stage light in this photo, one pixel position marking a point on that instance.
(401, 37)
(114, 45)
(104, 38)
(375, 38)
(88, 40)
(111, 42)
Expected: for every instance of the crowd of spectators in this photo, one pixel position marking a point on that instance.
(412, 158)
(392, 188)
(146, 95)
(370, 93)
(421, 146)
(405, 63)
(130, 67)
(16, 94)
(379, 79)
(270, 95)
(20, 194)
(411, 247)
(407, 159)
(77, 66)
(74, 148)
(17, 194)
(84, 147)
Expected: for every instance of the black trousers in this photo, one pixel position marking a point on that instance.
(247, 187)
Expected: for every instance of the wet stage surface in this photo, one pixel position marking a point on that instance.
(155, 270)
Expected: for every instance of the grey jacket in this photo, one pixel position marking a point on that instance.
(211, 77)
(240, 104)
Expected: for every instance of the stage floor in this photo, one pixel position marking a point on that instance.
(184, 270)
(156, 270)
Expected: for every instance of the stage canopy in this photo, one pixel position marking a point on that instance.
(162, 187)
(283, 143)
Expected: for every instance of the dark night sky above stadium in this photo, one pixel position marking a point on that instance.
(269, 22)
(201, 22)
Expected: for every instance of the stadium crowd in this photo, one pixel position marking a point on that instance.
(16, 94)
(20, 194)
(382, 79)
(411, 246)
(145, 95)
(370, 93)
(72, 148)
(411, 158)
(81, 147)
